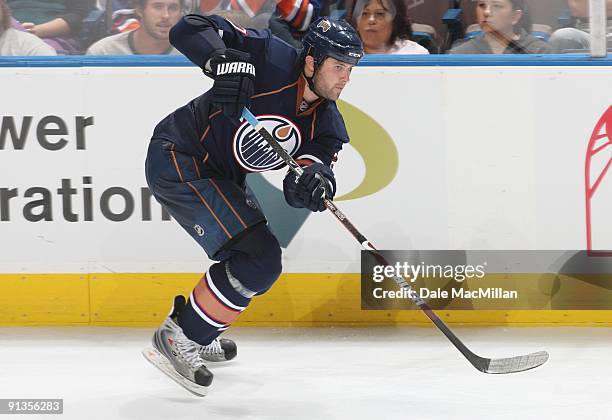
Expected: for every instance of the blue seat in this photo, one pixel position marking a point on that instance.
(542, 32)
(425, 35)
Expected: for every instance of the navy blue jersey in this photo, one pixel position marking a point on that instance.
(199, 129)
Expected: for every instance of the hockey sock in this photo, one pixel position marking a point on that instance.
(212, 306)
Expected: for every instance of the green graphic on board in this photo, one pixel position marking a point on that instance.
(380, 159)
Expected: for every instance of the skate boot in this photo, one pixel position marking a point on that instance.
(219, 350)
(177, 356)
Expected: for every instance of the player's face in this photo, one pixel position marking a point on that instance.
(158, 16)
(331, 77)
(497, 16)
(374, 26)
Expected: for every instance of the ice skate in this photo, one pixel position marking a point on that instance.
(219, 350)
(177, 356)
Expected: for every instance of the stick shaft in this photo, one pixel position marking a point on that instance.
(365, 244)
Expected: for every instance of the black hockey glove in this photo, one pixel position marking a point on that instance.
(311, 188)
(233, 87)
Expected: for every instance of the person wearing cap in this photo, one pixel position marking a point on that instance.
(199, 156)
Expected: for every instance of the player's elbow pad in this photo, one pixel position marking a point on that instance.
(178, 33)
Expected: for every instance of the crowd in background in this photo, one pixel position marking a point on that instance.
(117, 27)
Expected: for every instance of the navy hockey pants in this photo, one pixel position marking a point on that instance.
(227, 223)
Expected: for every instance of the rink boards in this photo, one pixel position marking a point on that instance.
(443, 155)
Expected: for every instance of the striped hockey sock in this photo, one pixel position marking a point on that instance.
(212, 306)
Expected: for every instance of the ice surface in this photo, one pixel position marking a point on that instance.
(315, 373)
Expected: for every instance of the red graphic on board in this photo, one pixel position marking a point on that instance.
(597, 186)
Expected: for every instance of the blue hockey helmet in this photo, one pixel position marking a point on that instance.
(332, 38)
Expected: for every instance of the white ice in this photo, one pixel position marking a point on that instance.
(315, 373)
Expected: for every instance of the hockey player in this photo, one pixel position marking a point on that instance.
(200, 154)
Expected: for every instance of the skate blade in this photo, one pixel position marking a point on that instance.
(162, 363)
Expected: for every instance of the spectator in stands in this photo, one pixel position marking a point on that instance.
(14, 42)
(57, 22)
(578, 37)
(384, 27)
(505, 28)
(152, 37)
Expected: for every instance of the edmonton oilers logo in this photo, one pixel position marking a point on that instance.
(254, 154)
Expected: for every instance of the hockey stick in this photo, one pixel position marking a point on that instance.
(504, 365)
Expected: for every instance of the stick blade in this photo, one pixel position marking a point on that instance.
(514, 364)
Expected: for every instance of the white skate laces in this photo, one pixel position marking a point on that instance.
(188, 350)
(213, 349)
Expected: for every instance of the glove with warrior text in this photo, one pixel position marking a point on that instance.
(311, 188)
(234, 77)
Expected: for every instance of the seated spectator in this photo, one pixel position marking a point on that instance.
(505, 28)
(14, 42)
(384, 27)
(579, 37)
(152, 36)
(57, 22)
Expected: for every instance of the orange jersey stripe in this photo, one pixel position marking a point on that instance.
(304, 162)
(210, 117)
(195, 163)
(205, 133)
(274, 91)
(312, 126)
